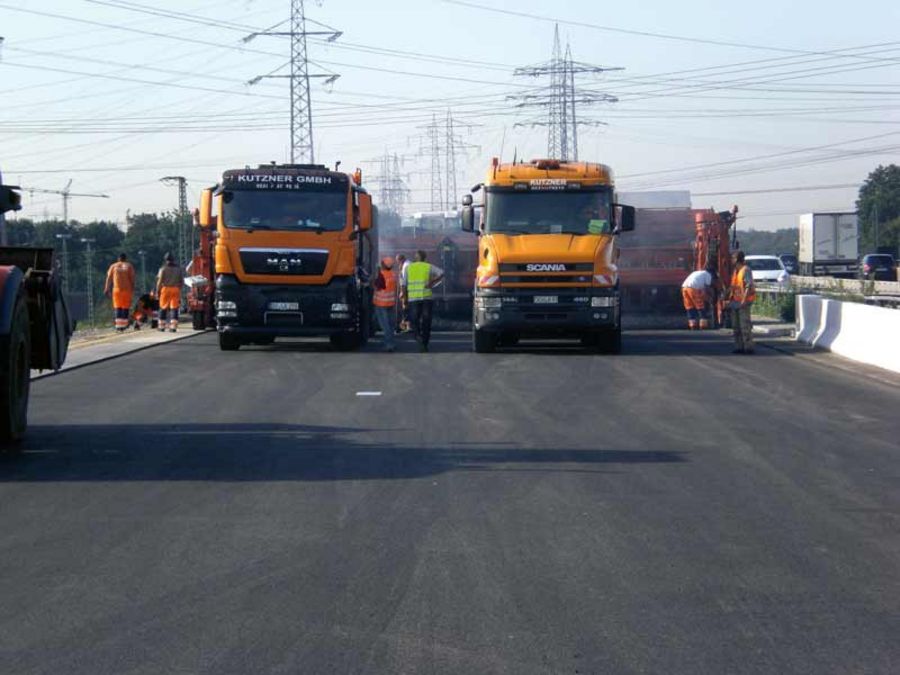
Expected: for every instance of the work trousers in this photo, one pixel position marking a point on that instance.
(695, 306)
(743, 328)
(385, 316)
(121, 301)
(420, 316)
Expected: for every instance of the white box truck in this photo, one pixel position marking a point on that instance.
(829, 244)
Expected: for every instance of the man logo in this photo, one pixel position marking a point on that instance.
(284, 264)
(545, 267)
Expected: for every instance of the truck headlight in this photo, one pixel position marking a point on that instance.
(604, 301)
(226, 304)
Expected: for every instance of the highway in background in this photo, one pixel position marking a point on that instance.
(675, 509)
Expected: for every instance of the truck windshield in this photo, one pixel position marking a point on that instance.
(289, 210)
(563, 212)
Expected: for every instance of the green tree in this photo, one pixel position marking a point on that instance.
(769, 242)
(155, 234)
(879, 197)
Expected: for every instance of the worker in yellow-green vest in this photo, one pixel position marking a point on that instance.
(416, 283)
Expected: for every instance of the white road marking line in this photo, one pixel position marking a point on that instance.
(368, 393)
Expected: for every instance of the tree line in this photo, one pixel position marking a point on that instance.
(153, 233)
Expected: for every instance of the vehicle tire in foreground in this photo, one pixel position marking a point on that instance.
(484, 342)
(346, 342)
(603, 342)
(15, 374)
(229, 343)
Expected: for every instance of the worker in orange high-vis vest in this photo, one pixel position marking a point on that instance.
(120, 285)
(385, 301)
(169, 281)
(741, 297)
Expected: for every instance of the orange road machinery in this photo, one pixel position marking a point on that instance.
(294, 253)
(201, 298)
(455, 252)
(716, 240)
(547, 252)
(655, 260)
(35, 324)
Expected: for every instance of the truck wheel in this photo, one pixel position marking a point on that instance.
(345, 342)
(508, 340)
(15, 375)
(228, 343)
(611, 341)
(199, 321)
(484, 342)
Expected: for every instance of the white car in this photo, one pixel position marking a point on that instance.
(768, 269)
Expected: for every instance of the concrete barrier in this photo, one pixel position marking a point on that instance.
(860, 332)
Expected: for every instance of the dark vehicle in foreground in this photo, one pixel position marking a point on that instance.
(878, 267)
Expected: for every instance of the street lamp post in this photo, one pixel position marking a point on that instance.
(89, 258)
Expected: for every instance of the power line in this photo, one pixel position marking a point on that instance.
(625, 31)
(802, 188)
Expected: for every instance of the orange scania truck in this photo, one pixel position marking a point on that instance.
(294, 254)
(547, 254)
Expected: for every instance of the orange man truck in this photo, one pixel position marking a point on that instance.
(547, 254)
(294, 254)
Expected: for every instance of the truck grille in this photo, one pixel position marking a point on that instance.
(284, 261)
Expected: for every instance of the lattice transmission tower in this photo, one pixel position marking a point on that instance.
(560, 99)
(302, 148)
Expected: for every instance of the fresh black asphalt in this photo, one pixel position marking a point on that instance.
(674, 509)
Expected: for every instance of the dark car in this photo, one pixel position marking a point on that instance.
(790, 262)
(878, 267)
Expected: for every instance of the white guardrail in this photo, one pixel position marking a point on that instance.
(860, 332)
(853, 286)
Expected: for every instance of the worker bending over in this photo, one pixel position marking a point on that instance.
(120, 284)
(741, 296)
(695, 291)
(416, 284)
(385, 301)
(146, 311)
(169, 281)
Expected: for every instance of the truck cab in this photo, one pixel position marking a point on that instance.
(293, 255)
(547, 254)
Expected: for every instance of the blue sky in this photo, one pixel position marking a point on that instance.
(730, 101)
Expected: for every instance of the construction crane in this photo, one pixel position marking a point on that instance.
(67, 194)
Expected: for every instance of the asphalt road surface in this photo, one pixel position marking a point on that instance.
(675, 509)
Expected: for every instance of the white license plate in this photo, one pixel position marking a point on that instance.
(284, 306)
(546, 299)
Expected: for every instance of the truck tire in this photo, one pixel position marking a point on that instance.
(611, 341)
(603, 342)
(198, 321)
(15, 374)
(346, 342)
(484, 342)
(229, 343)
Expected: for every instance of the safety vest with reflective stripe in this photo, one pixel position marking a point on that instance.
(740, 293)
(387, 296)
(418, 274)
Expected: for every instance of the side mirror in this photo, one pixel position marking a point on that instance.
(467, 200)
(467, 217)
(365, 211)
(626, 219)
(204, 216)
